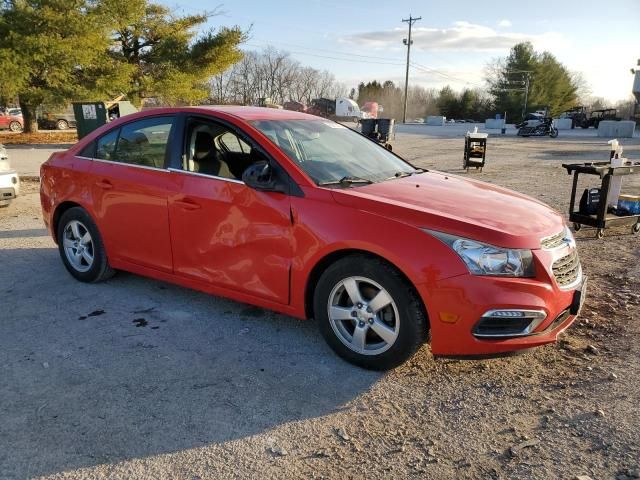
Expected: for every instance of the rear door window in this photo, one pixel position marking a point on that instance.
(144, 142)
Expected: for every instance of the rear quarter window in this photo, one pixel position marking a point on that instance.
(89, 151)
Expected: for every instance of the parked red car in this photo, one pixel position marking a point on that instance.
(301, 215)
(11, 122)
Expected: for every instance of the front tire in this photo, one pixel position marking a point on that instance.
(15, 127)
(368, 313)
(553, 133)
(62, 125)
(81, 247)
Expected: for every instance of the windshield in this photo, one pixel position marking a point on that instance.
(331, 153)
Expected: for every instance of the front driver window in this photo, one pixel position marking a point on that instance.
(216, 150)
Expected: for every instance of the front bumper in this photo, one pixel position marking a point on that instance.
(9, 187)
(455, 306)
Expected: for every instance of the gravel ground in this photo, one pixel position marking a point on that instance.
(136, 378)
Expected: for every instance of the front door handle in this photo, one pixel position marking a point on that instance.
(105, 184)
(187, 204)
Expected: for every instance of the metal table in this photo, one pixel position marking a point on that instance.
(602, 219)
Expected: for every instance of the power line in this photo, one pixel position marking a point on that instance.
(422, 68)
(330, 57)
(393, 60)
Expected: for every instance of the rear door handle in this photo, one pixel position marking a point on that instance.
(105, 184)
(187, 204)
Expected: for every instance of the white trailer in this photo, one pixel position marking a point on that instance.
(347, 109)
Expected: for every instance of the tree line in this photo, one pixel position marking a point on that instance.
(273, 74)
(550, 86)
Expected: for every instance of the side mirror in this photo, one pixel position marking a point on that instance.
(260, 176)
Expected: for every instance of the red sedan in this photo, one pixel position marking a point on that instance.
(11, 122)
(301, 215)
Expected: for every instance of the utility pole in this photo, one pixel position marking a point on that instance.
(526, 94)
(407, 41)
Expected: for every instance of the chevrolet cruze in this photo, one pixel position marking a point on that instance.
(301, 215)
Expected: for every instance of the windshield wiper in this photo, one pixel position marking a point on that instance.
(346, 181)
(406, 174)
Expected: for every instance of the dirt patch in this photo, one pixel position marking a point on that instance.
(223, 390)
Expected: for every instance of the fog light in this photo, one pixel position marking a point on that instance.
(508, 323)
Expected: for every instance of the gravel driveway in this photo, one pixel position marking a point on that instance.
(136, 378)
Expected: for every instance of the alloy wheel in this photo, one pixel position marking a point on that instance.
(78, 246)
(363, 315)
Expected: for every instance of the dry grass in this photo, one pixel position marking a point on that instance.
(9, 138)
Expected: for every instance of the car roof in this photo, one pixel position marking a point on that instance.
(256, 113)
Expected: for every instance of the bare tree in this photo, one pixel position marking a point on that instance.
(275, 75)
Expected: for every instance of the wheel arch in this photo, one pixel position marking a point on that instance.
(332, 257)
(59, 211)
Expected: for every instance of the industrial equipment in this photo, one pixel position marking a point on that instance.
(596, 116)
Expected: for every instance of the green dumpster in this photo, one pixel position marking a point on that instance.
(92, 115)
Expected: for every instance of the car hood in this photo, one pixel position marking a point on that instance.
(459, 206)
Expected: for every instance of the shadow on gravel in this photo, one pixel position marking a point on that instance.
(27, 233)
(130, 368)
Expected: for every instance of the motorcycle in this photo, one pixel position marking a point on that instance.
(542, 129)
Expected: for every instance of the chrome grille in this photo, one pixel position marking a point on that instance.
(553, 241)
(566, 270)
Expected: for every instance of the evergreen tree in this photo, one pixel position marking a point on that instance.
(50, 51)
(448, 103)
(164, 56)
(551, 86)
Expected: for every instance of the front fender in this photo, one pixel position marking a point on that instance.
(323, 227)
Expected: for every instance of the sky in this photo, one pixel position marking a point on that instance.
(452, 43)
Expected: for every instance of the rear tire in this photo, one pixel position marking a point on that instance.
(62, 125)
(351, 328)
(15, 127)
(81, 247)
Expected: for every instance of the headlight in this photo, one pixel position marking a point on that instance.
(483, 259)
